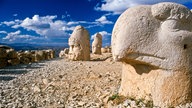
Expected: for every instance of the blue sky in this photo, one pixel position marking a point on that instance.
(52, 21)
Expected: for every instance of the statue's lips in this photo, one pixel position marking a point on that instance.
(140, 58)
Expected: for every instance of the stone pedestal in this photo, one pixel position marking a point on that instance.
(164, 87)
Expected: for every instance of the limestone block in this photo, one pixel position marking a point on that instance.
(11, 54)
(24, 60)
(37, 57)
(33, 57)
(47, 55)
(42, 55)
(14, 61)
(154, 43)
(104, 50)
(24, 57)
(79, 44)
(3, 53)
(52, 53)
(97, 44)
(3, 63)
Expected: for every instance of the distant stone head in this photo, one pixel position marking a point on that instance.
(79, 46)
(97, 44)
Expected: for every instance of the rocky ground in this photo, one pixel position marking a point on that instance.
(61, 83)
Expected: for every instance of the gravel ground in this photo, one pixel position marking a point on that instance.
(61, 83)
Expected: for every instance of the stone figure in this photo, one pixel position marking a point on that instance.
(79, 44)
(154, 44)
(97, 44)
(64, 53)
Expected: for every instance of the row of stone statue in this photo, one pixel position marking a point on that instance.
(79, 45)
(10, 57)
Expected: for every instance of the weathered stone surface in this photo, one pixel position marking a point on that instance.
(106, 49)
(52, 53)
(61, 54)
(79, 43)
(41, 54)
(25, 57)
(64, 53)
(97, 44)
(109, 49)
(14, 61)
(11, 54)
(154, 44)
(3, 53)
(103, 50)
(3, 63)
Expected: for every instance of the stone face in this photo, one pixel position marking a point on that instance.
(97, 44)
(64, 53)
(79, 44)
(155, 45)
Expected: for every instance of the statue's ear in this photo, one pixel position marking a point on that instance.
(167, 10)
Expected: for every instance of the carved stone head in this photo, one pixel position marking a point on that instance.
(97, 44)
(154, 44)
(158, 35)
(79, 46)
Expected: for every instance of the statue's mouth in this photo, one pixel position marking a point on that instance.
(141, 58)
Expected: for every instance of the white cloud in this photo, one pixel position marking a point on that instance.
(73, 23)
(15, 15)
(118, 6)
(11, 23)
(48, 27)
(103, 33)
(45, 26)
(8, 23)
(103, 20)
(18, 37)
(81, 22)
(3, 32)
(98, 22)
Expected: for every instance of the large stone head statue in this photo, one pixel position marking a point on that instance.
(79, 46)
(97, 44)
(154, 42)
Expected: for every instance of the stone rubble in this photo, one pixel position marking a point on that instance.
(10, 57)
(61, 83)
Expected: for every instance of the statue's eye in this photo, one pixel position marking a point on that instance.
(185, 46)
